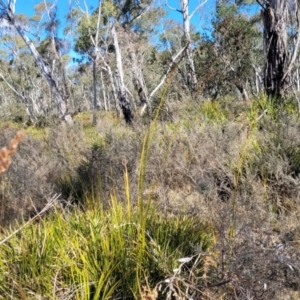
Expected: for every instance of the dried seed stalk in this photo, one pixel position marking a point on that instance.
(6, 153)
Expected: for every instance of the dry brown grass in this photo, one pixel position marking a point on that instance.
(242, 180)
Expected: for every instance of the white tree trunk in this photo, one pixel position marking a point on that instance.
(186, 26)
(138, 75)
(103, 93)
(45, 71)
(94, 93)
(124, 103)
(297, 79)
(95, 60)
(165, 76)
(107, 68)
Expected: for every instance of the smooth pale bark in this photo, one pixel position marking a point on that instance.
(191, 78)
(94, 56)
(137, 73)
(94, 94)
(119, 76)
(107, 69)
(297, 80)
(45, 71)
(190, 62)
(95, 60)
(258, 80)
(243, 92)
(104, 93)
(172, 65)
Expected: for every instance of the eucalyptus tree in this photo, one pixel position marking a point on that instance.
(225, 60)
(96, 38)
(123, 32)
(133, 17)
(191, 77)
(9, 19)
(17, 74)
(53, 49)
(88, 33)
(281, 51)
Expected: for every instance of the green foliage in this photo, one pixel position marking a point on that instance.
(262, 105)
(95, 254)
(172, 35)
(45, 48)
(42, 6)
(22, 18)
(128, 10)
(213, 111)
(124, 12)
(87, 26)
(108, 10)
(86, 29)
(270, 106)
(43, 10)
(225, 62)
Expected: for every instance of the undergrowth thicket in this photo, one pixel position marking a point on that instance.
(203, 205)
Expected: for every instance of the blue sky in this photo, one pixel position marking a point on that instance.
(27, 6)
(200, 20)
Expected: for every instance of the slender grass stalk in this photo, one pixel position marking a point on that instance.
(141, 178)
(127, 192)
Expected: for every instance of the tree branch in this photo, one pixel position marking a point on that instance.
(170, 68)
(85, 5)
(173, 8)
(12, 5)
(296, 48)
(49, 205)
(140, 15)
(261, 5)
(214, 285)
(11, 87)
(197, 8)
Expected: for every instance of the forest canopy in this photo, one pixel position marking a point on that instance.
(119, 54)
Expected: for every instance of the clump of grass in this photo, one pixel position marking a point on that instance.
(275, 110)
(92, 136)
(95, 254)
(37, 132)
(213, 111)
